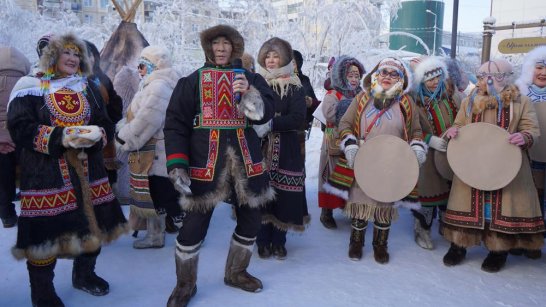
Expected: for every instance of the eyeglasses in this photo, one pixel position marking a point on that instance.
(393, 74)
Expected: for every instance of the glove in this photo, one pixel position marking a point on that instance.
(262, 130)
(81, 136)
(350, 154)
(516, 139)
(438, 143)
(181, 181)
(420, 153)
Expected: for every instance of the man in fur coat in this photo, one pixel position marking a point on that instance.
(506, 218)
(210, 147)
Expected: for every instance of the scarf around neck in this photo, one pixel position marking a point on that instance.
(279, 79)
(33, 86)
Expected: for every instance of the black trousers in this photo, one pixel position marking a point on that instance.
(164, 196)
(196, 224)
(270, 234)
(7, 184)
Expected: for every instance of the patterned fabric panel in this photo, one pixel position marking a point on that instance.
(41, 140)
(218, 109)
(68, 108)
(49, 202)
(101, 192)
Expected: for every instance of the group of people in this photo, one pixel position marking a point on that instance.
(237, 134)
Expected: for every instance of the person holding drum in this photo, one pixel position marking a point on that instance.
(532, 83)
(503, 214)
(345, 79)
(383, 109)
(434, 95)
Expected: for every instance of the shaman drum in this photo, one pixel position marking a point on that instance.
(386, 168)
(538, 150)
(442, 165)
(482, 157)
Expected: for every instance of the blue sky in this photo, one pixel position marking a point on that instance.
(471, 14)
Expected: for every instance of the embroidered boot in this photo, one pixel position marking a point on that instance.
(84, 277)
(42, 290)
(327, 219)
(240, 251)
(380, 238)
(454, 255)
(358, 230)
(155, 233)
(186, 259)
(494, 261)
(422, 235)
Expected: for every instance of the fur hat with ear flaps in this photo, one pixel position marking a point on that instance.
(278, 45)
(237, 41)
(52, 52)
(160, 57)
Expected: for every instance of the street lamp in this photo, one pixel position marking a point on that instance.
(434, 41)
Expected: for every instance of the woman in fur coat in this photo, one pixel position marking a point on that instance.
(68, 210)
(345, 80)
(383, 108)
(434, 95)
(142, 134)
(284, 159)
(509, 217)
(532, 83)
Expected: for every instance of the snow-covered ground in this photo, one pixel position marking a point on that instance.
(317, 271)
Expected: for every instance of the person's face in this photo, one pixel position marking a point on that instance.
(432, 84)
(68, 62)
(482, 85)
(221, 48)
(142, 69)
(387, 78)
(353, 76)
(272, 60)
(539, 75)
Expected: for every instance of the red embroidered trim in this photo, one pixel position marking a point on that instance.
(49, 202)
(207, 173)
(41, 140)
(101, 192)
(252, 169)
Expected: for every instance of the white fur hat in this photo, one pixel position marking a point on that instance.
(429, 68)
(157, 55)
(528, 66)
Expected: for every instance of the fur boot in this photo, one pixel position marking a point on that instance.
(186, 259)
(358, 230)
(238, 259)
(327, 219)
(380, 240)
(454, 255)
(42, 290)
(84, 277)
(494, 261)
(422, 235)
(155, 234)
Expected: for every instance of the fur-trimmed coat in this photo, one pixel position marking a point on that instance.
(148, 108)
(217, 147)
(515, 208)
(61, 213)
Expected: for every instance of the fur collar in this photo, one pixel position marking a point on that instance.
(509, 95)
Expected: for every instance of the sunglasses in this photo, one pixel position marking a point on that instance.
(141, 66)
(393, 74)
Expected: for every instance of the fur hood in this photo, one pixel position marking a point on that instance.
(429, 68)
(528, 68)
(339, 71)
(278, 45)
(51, 53)
(157, 55)
(407, 85)
(237, 41)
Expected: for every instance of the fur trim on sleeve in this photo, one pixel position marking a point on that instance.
(252, 104)
(345, 139)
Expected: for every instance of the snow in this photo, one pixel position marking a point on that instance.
(317, 271)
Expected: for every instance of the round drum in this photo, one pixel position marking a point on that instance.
(538, 150)
(481, 156)
(442, 165)
(386, 168)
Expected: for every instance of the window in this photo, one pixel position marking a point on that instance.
(104, 3)
(88, 3)
(87, 18)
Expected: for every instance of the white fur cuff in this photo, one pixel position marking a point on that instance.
(345, 139)
(252, 104)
